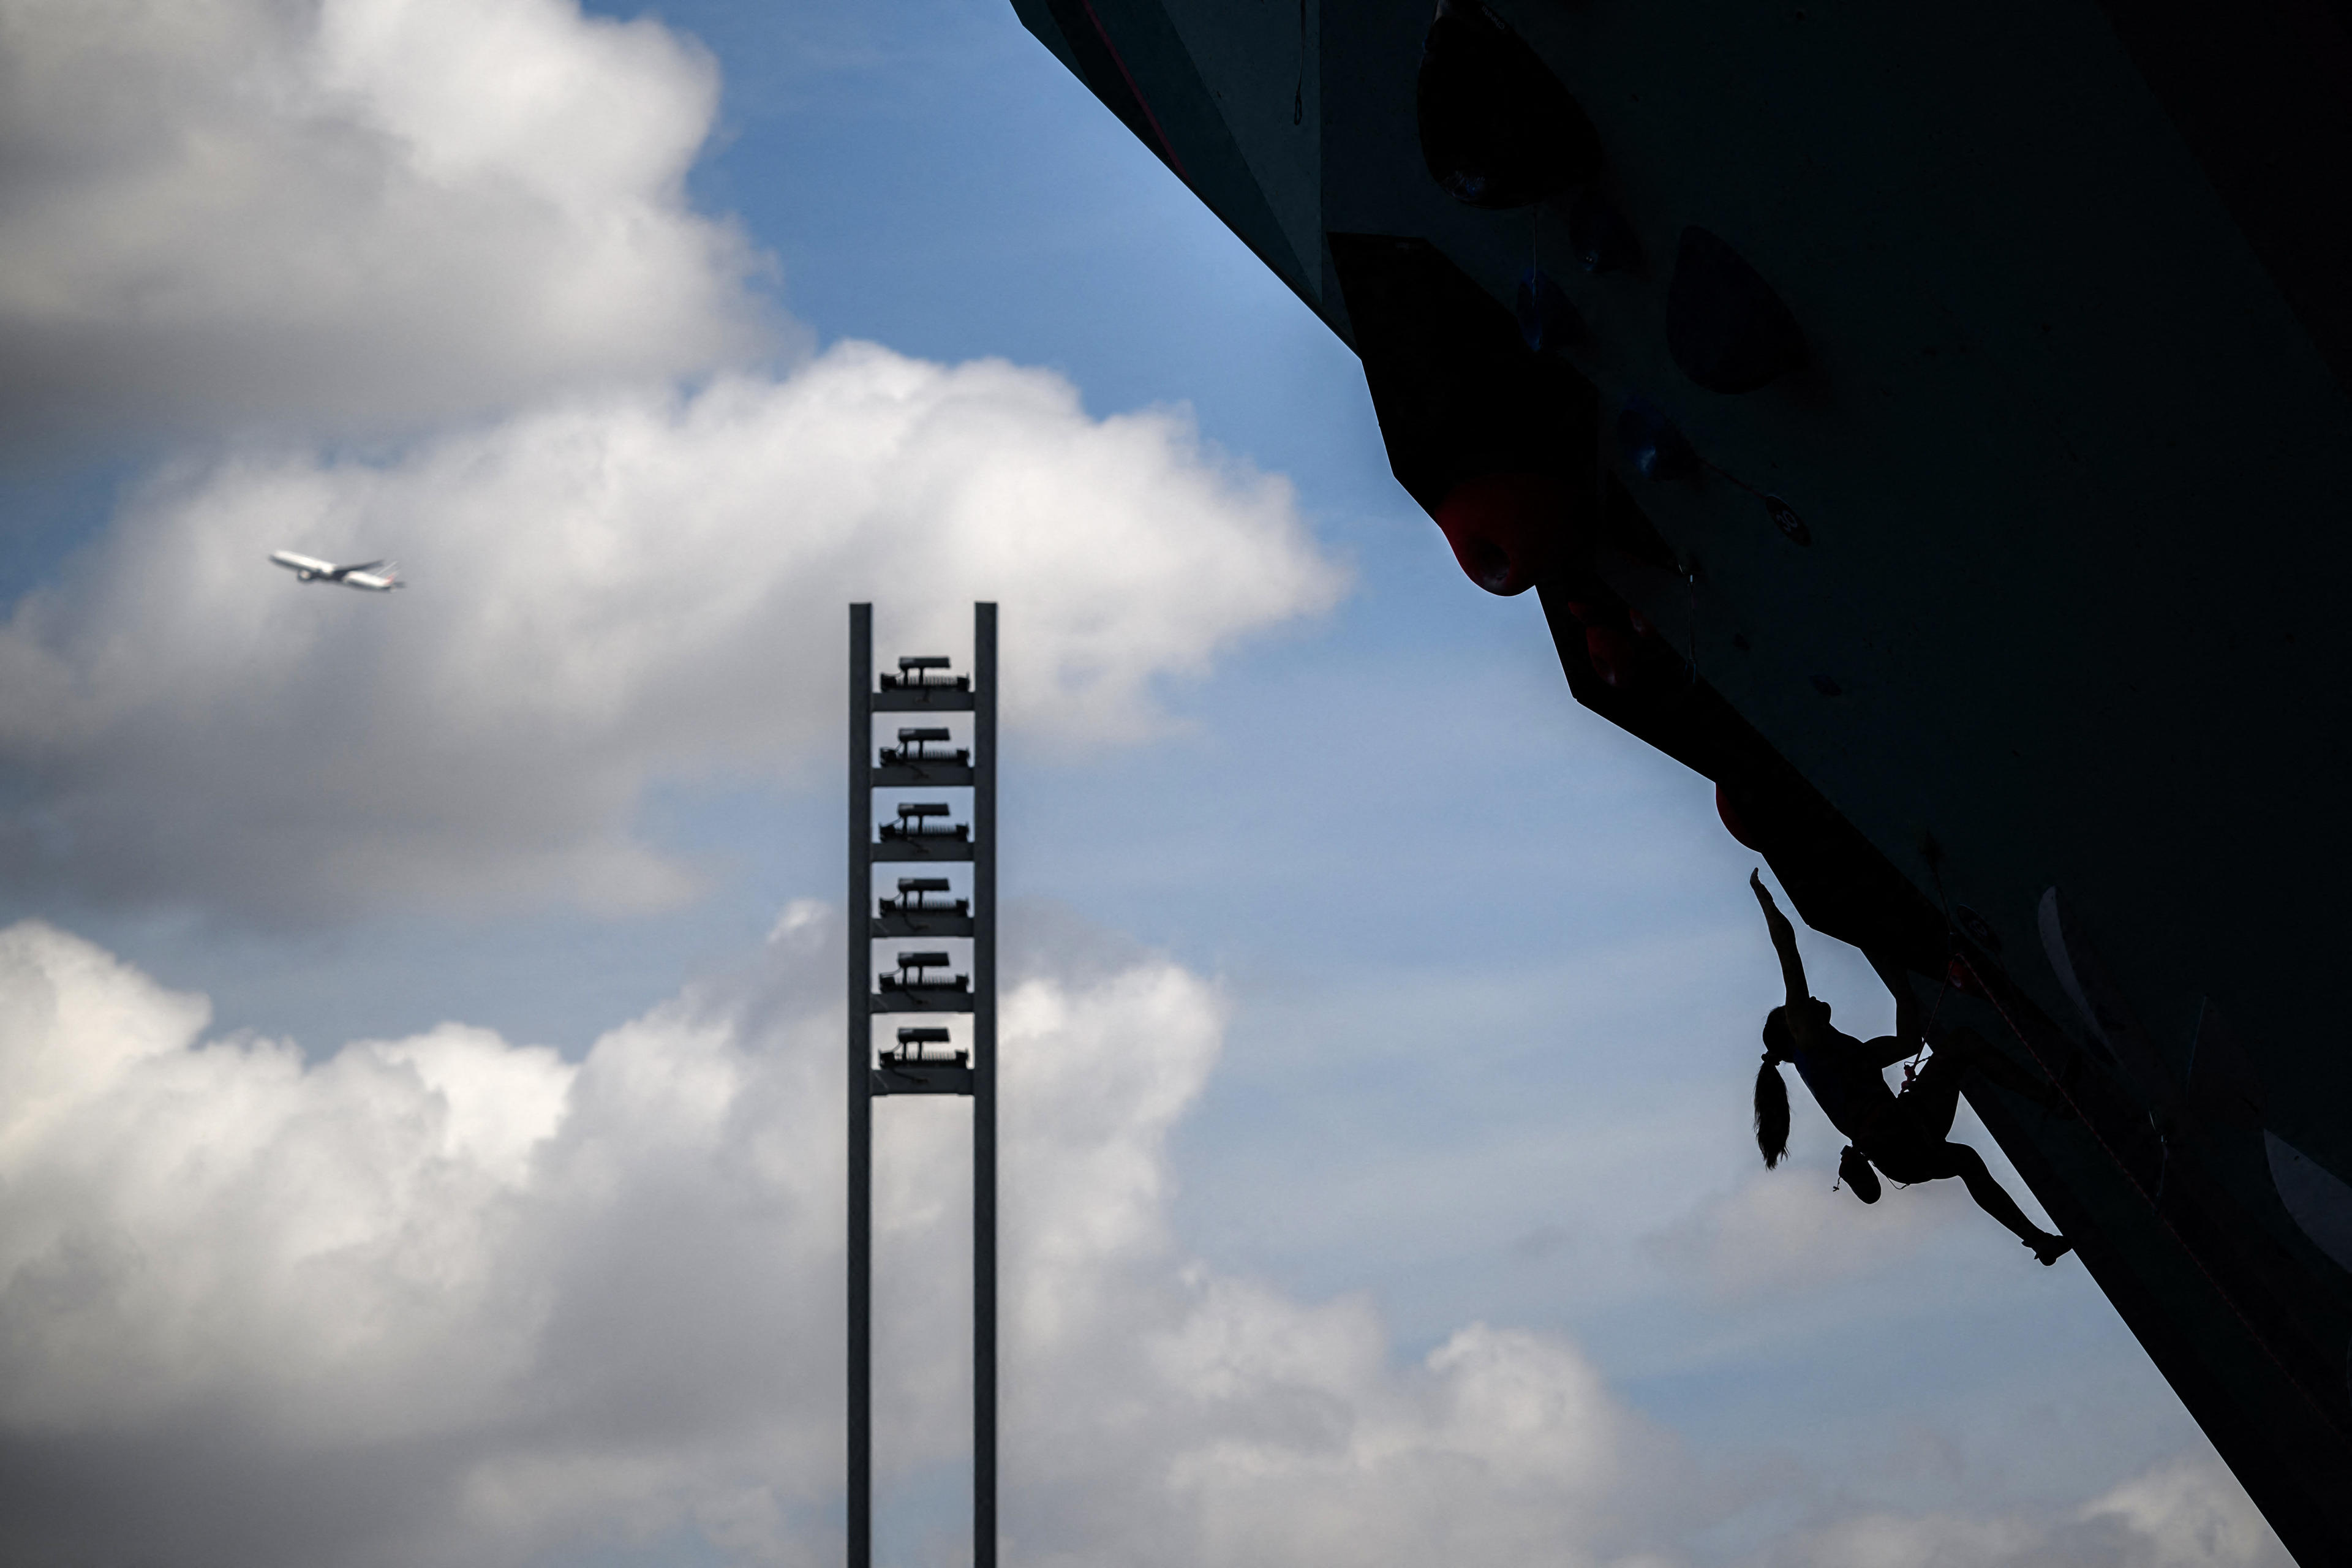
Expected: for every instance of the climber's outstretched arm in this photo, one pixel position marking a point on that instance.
(1784, 940)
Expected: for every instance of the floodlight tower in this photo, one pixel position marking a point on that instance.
(923, 908)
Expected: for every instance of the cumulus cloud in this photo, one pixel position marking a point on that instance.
(464, 223)
(450, 1300)
(1787, 1231)
(2188, 1512)
(349, 215)
(636, 588)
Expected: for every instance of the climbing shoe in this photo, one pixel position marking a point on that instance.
(1854, 1170)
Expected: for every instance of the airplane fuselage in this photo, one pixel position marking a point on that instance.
(366, 575)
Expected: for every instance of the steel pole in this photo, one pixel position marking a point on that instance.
(860, 1491)
(983, 1097)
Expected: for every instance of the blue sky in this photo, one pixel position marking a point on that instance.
(1480, 972)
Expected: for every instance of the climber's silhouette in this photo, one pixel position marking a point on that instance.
(1906, 1136)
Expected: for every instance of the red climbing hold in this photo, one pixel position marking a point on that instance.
(1962, 978)
(1505, 529)
(1612, 652)
(1733, 823)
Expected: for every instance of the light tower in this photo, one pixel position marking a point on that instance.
(923, 981)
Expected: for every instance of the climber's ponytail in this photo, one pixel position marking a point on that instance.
(1771, 1094)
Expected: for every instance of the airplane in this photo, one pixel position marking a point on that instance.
(311, 569)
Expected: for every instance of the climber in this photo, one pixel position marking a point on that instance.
(1905, 1136)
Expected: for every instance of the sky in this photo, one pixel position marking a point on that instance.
(419, 1014)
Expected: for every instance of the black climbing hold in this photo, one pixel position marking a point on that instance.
(1601, 241)
(1784, 518)
(1827, 687)
(1979, 929)
(1497, 129)
(1547, 319)
(1726, 328)
(1653, 445)
(1458, 392)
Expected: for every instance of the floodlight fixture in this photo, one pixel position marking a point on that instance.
(913, 974)
(915, 898)
(913, 1049)
(914, 746)
(926, 673)
(923, 820)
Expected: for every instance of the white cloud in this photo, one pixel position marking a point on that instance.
(620, 591)
(349, 215)
(450, 1301)
(548, 1302)
(2188, 1512)
(1787, 1231)
(464, 221)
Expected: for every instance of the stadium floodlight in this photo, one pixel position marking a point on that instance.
(912, 1047)
(925, 672)
(915, 895)
(914, 974)
(923, 820)
(915, 746)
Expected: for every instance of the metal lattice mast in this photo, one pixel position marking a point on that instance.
(924, 907)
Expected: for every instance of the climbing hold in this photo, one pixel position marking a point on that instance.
(1652, 445)
(1613, 653)
(1784, 518)
(1601, 241)
(1612, 647)
(1547, 319)
(1497, 129)
(1725, 327)
(1733, 821)
(1505, 529)
(2316, 1198)
(1979, 929)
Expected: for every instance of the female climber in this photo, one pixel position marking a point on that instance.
(1907, 1136)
